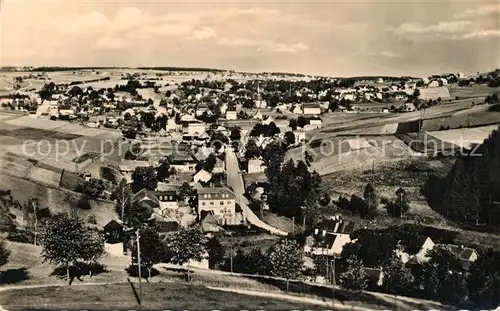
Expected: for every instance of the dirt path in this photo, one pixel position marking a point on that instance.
(235, 180)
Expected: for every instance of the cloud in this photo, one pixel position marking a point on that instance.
(265, 45)
(240, 42)
(481, 34)
(389, 54)
(204, 33)
(480, 11)
(283, 48)
(409, 28)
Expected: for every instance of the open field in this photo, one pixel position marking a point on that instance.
(344, 153)
(473, 91)
(54, 143)
(453, 114)
(156, 295)
(58, 200)
(466, 137)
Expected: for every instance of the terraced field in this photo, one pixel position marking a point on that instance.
(351, 153)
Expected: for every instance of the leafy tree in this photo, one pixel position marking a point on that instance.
(373, 248)
(321, 265)
(290, 138)
(354, 277)
(4, 253)
(185, 191)
(93, 188)
(215, 251)
(273, 156)
(75, 91)
(333, 106)
(293, 124)
(144, 177)
(484, 280)
(134, 151)
(252, 262)
(441, 276)
(312, 211)
(402, 204)
(398, 279)
(36, 215)
(252, 150)
(273, 129)
(209, 163)
(137, 214)
(152, 250)
(84, 203)
(302, 121)
(285, 259)
(123, 196)
(184, 246)
(92, 249)
(63, 241)
(416, 93)
(372, 199)
(163, 171)
(235, 134)
(7, 222)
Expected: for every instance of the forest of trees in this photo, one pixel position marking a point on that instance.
(471, 190)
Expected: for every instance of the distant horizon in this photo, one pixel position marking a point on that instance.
(221, 70)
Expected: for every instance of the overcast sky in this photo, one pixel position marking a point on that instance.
(337, 38)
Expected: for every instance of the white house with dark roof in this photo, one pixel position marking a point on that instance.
(219, 201)
(329, 237)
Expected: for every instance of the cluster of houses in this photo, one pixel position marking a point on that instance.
(331, 235)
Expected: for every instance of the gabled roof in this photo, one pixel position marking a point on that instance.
(311, 105)
(203, 176)
(178, 157)
(215, 190)
(210, 224)
(145, 194)
(418, 259)
(336, 225)
(414, 244)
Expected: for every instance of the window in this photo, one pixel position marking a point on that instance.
(228, 202)
(212, 203)
(203, 203)
(221, 202)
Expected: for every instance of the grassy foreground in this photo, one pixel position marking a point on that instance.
(155, 295)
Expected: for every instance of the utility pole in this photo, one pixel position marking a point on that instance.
(35, 218)
(139, 265)
(231, 255)
(333, 282)
(327, 275)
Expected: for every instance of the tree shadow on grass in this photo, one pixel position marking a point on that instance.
(79, 270)
(13, 276)
(133, 271)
